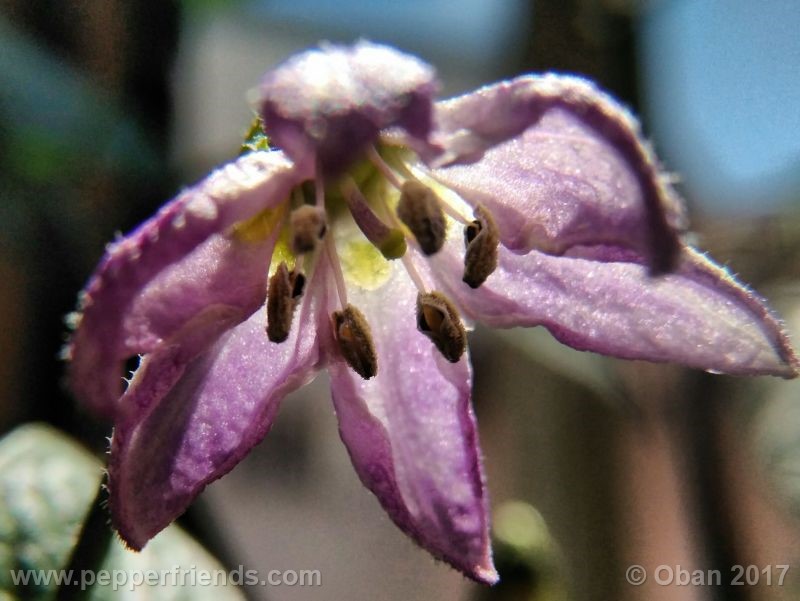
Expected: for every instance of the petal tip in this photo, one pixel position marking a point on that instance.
(793, 364)
(129, 543)
(485, 573)
(128, 528)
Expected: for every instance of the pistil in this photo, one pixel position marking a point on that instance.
(390, 241)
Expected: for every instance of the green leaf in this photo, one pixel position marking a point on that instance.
(47, 486)
(57, 125)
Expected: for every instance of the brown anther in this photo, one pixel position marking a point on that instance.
(308, 228)
(421, 210)
(438, 319)
(352, 333)
(481, 240)
(284, 290)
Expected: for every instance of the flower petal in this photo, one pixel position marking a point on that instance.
(187, 419)
(411, 432)
(221, 271)
(558, 163)
(699, 316)
(332, 102)
(150, 283)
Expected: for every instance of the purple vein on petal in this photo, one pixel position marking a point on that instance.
(550, 105)
(411, 433)
(187, 420)
(699, 316)
(229, 195)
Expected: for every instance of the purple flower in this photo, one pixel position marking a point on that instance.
(386, 224)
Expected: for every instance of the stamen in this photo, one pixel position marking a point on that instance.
(452, 211)
(382, 166)
(308, 228)
(388, 172)
(298, 285)
(481, 239)
(341, 289)
(439, 320)
(284, 291)
(447, 205)
(352, 333)
(420, 209)
(413, 273)
(390, 241)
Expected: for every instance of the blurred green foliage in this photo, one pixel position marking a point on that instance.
(47, 485)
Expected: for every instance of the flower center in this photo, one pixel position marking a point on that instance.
(362, 220)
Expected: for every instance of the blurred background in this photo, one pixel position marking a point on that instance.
(108, 107)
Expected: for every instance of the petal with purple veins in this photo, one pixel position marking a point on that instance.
(558, 163)
(222, 271)
(129, 304)
(411, 433)
(189, 417)
(698, 316)
(332, 102)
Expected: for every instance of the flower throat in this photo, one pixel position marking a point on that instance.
(393, 209)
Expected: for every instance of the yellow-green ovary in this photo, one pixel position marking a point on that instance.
(363, 265)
